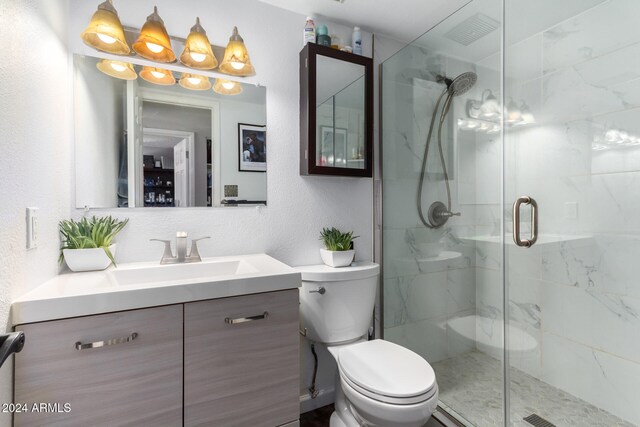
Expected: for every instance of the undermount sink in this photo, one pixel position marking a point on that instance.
(192, 272)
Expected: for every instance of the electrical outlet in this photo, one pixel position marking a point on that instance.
(32, 228)
(230, 191)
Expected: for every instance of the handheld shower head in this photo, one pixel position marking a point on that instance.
(461, 84)
(439, 213)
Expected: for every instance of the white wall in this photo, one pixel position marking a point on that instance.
(99, 108)
(298, 207)
(35, 138)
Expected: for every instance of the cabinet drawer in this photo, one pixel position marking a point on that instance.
(130, 381)
(247, 373)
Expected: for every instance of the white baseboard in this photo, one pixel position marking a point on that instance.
(325, 397)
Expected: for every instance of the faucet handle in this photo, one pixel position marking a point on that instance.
(167, 249)
(181, 235)
(194, 248)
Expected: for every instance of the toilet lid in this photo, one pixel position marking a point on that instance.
(387, 369)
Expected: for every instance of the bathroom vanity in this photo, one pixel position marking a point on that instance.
(166, 345)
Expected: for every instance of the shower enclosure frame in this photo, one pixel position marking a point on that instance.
(512, 330)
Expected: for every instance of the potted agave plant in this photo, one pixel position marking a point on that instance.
(338, 251)
(87, 244)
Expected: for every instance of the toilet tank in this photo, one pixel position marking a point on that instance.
(344, 310)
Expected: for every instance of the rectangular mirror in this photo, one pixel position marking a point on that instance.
(337, 114)
(139, 144)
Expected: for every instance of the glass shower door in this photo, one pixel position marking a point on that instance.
(572, 144)
(443, 280)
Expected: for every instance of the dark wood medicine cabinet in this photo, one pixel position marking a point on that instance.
(336, 112)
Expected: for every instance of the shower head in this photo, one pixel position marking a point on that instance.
(461, 84)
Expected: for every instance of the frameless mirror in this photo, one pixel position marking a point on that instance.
(336, 112)
(139, 144)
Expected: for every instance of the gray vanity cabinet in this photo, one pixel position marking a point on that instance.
(242, 361)
(223, 362)
(133, 379)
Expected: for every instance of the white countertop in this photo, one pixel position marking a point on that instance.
(83, 294)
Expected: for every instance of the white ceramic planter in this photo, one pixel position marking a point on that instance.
(88, 259)
(337, 258)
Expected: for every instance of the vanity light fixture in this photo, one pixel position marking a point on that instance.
(527, 117)
(236, 60)
(490, 107)
(105, 31)
(153, 42)
(197, 51)
(513, 113)
(117, 69)
(227, 87)
(158, 76)
(194, 82)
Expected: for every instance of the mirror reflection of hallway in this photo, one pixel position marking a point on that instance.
(173, 174)
(173, 182)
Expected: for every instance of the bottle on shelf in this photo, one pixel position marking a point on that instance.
(323, 38)
(309, 31)
(336, 42)
(357, 41)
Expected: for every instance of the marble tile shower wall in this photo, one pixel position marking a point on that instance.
(576, 292)
(422, 295)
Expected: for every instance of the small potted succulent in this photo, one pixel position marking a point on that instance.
(87, 244)
(338, 251)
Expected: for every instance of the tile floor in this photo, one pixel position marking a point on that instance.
(471, 384)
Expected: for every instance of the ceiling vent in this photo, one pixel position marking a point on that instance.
(472, 29)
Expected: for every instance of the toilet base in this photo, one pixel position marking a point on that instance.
(342, 416)
(345, 414)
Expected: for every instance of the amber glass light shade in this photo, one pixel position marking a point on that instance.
(158, 76)
(197, 51)
(236, 58)
(227, 87)
(195, 82)
(117, 69)
(153, 42)
(105, 31)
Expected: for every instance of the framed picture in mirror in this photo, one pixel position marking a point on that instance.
(252, 148)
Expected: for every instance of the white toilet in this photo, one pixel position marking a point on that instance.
(378, 383)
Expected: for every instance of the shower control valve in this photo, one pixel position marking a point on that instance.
(439, 214)
(448, 214)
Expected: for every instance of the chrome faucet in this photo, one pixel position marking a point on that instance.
(181, 255)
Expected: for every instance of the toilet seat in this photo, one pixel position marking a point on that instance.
(387, 372)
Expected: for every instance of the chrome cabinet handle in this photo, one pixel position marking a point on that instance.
(230, 321)
(525, 200)
(98, 344)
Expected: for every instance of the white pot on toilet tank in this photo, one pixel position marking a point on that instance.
(337, 258)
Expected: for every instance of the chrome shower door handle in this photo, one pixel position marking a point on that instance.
(525, 200)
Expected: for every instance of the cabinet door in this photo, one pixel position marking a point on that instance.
(247, 373)
(135, 380)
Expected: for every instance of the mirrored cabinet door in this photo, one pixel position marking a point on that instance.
(336, 102)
